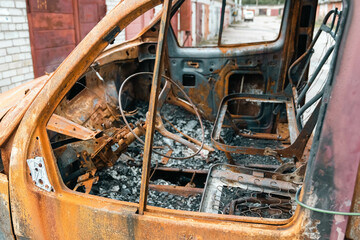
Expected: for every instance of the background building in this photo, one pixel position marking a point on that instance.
(37, 35)
(325, 6)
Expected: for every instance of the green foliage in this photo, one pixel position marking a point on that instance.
(263, 2)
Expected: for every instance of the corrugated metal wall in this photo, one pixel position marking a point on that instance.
(56, 27)
(138, 24)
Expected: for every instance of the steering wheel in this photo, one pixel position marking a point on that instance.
(159, 126)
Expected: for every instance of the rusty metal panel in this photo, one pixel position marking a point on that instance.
(274, 12)
(49, 59)
(185, 16)
(45, 39)
(57, 26)
(52, 21)
(90, 13)
(174, 23)
(134, 28)
(49, 20)
(5, 220)
(148, 16)
(63, 6)
(206, 21)
(199, 20)
(138, 24)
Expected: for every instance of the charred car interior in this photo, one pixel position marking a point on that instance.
(237, 142)
(219, 133)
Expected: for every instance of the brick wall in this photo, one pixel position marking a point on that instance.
(15, 52)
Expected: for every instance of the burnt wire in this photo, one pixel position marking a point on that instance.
(322, 210)
(186, 96)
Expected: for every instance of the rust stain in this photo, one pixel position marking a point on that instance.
(200, 97)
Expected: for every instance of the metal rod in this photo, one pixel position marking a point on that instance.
(222, 21)
(149, 136)
(301, 110)
(315, 74)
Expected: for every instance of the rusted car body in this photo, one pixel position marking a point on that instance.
(58, 131)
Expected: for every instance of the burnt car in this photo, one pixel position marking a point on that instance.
(149, 139)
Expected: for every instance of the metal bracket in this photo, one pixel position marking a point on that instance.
(110, 38)
(39, 174)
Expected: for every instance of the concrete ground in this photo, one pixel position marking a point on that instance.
(263, 28)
